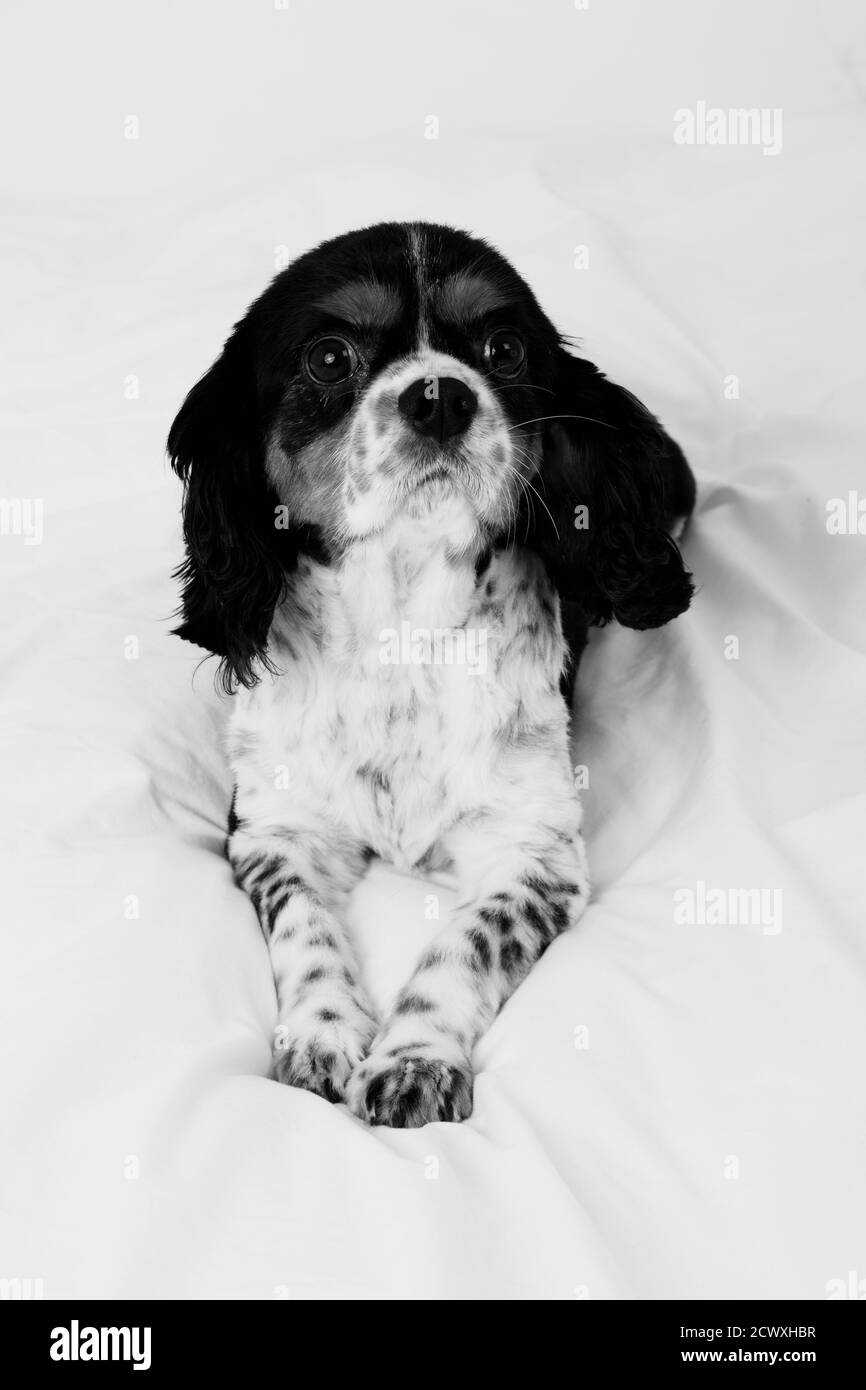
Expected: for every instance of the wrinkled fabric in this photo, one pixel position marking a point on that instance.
(666, 1107)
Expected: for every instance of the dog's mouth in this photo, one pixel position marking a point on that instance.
(429, 459)
(428, 465)
(432, 483)
(437, 473)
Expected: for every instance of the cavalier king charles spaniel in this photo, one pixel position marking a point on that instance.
(404, 503)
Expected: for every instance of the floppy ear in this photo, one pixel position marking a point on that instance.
(614, 482)
(234, 570)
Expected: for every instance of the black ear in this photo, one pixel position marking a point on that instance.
(234, 571)
(613, 482)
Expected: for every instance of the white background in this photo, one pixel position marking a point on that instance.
(710, 1138)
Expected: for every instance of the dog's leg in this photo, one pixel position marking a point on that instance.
(519, 892)
(298, 882)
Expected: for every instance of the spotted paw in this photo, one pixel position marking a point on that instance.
(321, 1052)
(410, 1089)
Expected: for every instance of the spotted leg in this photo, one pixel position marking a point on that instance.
(298, 882)
(519, 891)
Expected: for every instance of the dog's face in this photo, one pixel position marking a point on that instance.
(416, 365)
(388, 369)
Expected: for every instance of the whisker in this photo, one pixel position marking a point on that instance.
(531, 512)
(511, 530)
(544, 505)
(538, 419)
(522, 385)
(527, 484)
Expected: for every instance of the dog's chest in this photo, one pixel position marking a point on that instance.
(401, 679)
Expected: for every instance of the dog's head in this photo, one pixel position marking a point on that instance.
(382, 371)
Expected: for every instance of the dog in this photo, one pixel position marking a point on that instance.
(397, 443)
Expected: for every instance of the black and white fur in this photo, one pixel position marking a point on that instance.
(434, 484)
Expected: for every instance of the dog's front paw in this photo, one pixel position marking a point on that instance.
(408, 1087)
(320, 1052)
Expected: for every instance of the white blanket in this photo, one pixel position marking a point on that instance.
(671, 1105)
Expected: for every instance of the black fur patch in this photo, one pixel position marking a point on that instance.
(481, 949)
(483, 561)
(318, 972)
(497, 917)
(559, 914)
(414, 1004)
(323, 938)
(261, 867)
(274, 909)
(512, 956)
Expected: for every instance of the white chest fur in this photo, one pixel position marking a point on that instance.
(404, 682)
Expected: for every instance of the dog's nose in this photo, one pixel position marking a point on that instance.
(438, 406)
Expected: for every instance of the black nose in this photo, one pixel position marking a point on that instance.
(438, 406)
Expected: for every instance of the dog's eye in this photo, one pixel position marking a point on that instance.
(505, 352)
(331, 360)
